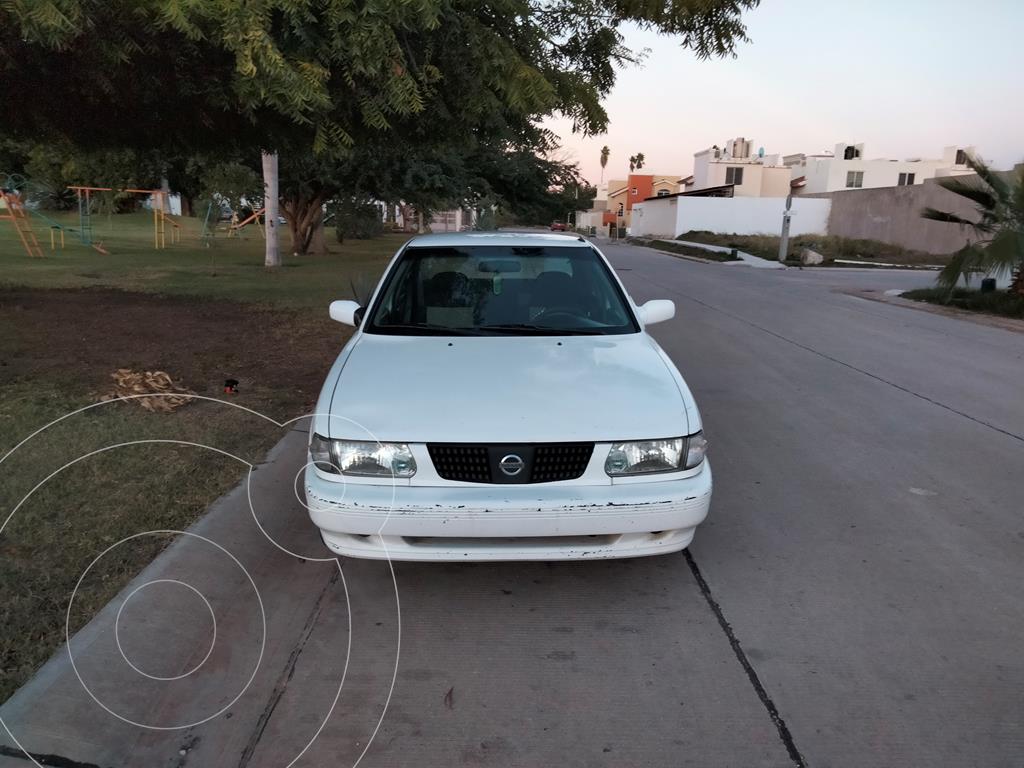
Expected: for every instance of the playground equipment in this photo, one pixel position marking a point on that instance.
(16, 195)
(160, 216)
(233, 228)
(16, 214)
(236, 226)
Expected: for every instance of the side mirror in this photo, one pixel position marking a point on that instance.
(657, 310)
(347, 312)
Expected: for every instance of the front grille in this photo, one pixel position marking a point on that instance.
(544, 462)
(560, 461)
(468, 463)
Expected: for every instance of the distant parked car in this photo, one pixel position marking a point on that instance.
(502, 400)
(558, 226)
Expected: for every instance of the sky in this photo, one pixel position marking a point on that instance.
(904, 77)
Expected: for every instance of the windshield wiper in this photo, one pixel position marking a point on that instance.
(545, 330)
(422, 329)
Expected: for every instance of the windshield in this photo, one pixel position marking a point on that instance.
(481, 290)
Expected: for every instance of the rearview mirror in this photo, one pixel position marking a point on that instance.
(657, 310)
(347, 312)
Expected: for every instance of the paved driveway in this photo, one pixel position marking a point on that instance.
(854, 599)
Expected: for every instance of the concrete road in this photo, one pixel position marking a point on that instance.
(853, 600)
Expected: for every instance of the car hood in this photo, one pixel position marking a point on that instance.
(513, 389)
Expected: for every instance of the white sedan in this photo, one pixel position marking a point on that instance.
(501, 400)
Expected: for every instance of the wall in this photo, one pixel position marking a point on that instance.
(893, 215)
(736, 215)
(655, 218)
(775, 181)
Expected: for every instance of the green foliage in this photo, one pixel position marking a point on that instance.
(999, 225)
(486, 220)
(234, 72)
(437, 102)
(685, 250)
(233, 183)
(1004, 303)
(357, 219)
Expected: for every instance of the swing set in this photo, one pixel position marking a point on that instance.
(14, 195)
(160, 216)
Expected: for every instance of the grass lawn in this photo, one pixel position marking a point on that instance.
(230, 268)
(865, 251)
(67, 321)
(1002, 303)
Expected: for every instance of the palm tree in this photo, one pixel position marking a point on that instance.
(632, 163)
(999, 228)
(604, 160)
(639, 160)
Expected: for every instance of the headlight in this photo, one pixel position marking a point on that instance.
(358, 457)
(641, 457)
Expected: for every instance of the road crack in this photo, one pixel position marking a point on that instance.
(286, 674)
(773, 711)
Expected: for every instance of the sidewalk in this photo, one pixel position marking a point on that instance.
(165, 631)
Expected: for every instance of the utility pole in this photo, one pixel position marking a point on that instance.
(784, 239)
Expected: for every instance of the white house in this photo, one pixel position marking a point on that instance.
(750, 173)
(847, 168)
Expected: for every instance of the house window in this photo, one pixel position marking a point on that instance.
(662, 193)
(906, 180)
(854, 179)
(622, 207)
(634, 191)
(734, 176)
(961, 157)
(851, 153)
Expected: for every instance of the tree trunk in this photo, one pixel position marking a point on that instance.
(318, 241)
(1017, 283)
(270, 198)
(420, 229)
(304, 216)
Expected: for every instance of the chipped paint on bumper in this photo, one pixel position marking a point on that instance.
(508, 522)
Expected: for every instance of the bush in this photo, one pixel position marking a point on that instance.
(686, 250)
(487, 221)
(1002, 303)
(358, 220)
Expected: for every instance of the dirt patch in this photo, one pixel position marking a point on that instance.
(278, 356)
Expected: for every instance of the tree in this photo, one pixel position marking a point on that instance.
(316, 81)
(999, 248)
(604, 160)
(636, 162)
(235, 183)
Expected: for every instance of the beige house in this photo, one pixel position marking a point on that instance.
(623, 195)
(750, 173)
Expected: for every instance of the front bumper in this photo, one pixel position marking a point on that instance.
(508, 522)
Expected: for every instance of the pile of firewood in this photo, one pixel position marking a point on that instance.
(153, 390)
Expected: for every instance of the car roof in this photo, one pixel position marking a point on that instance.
(454, 239)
